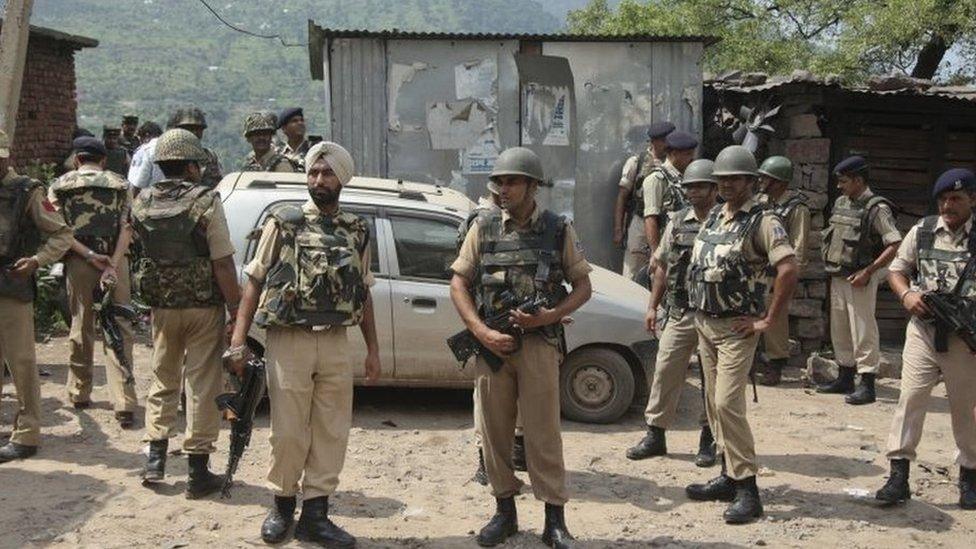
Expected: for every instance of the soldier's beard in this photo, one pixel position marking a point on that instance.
(324, 198)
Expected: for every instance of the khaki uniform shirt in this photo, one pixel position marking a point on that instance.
(575, 265)
(797, 225)
(628, 176)
(654, 186)
(49, 222)
(769, 243)
(218, 234)
(296, 155)
(906, 261)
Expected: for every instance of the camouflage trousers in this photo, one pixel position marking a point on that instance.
(17, 349)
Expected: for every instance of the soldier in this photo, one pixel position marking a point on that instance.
(738, 244)
(291, 122)
(95, 204)
(526, 252)
(118, 158)
(186, 274)
(193, 120)
(858, 243)
(148, 131)
(309, 371)
(775, 175)
(259, 128)
(630, 198)
(25, 217)
(679, 339)
(662, 188)
(937, 255)
(129, 140)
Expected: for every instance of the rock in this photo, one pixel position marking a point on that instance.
(804, 125)
(820, 369)
(806, 308)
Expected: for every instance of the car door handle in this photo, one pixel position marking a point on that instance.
(424, 302)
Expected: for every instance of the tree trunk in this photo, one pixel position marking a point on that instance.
(930, 57)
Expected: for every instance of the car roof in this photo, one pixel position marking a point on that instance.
(361, 190)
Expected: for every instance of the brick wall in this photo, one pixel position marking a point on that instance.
(46, 117)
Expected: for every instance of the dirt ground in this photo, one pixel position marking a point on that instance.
(411, 455)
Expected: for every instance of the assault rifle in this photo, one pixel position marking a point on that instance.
(239, 408)
(464, 344)
(954, 314)
(108, 313)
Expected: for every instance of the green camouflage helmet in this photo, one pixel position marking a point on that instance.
(260, 122)
(777, 167)
(518, 161)
(188, 116)
(179, 144)
(699, 171)
(735, 160)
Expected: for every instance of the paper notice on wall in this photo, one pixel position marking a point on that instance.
(546, 115)
(479, 159)
(476, 80)
(456, 124)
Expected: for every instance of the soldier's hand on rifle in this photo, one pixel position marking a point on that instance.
(372, 366)
(235, 357)
(109, 277)
(497, 342)
(913, 303)
(749, 325)
(650, 321)
(860, 279)
(24, 267)
(543, 317)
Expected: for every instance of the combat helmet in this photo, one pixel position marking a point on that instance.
(179, 144)
(699, 171)
(259, 122)
(777, 167)
(188, 116)
(518, 161)
(735, 160)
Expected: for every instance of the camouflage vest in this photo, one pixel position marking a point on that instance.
(940, 270)
(527, 262)
(92, 203)
(318, 279)
(18, 235)
(722, 281)
(175, 270)
(849, 245)
(275, 159)
(683, 233)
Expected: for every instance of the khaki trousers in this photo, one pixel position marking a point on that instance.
(776, 339)
(853, 326)
(82, 280)
(727, 359)
(477, 412)
(678, 342)
(17, 348)
(921, 368)
(528, 382)
(310, 386)
(636, 254)
(186, 342)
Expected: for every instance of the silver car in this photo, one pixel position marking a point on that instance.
(414, 236)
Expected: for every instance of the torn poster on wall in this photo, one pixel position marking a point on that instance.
(479, 158)
(456, 124)
(476, 80)
(545, 115)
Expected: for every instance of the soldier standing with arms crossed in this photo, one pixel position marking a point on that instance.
(679, 340)
(737, 245)
(530, 253)
(320, 254)
(937, 255)
(187, 275)
(25, 217)
(860, 240)
(95, 203)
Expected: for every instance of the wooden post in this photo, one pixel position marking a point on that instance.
(13, 55)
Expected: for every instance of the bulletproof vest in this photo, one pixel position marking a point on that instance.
(174, 271)
(19, 237)
(465, 225)
(92, 203)
(527, 262)
(645, 165)
(683, 233)
(785, 209)
(318, 279)
(252, 164)
(849, 245)
(940, 270)
(722, 281)
(674, 195)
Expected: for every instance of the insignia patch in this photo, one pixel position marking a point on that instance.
(779, 232)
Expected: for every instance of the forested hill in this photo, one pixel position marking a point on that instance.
(158, 54)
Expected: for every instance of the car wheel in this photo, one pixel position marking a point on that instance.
(596, 385)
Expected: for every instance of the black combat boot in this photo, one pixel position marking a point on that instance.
(864, 393)
(555, 534)
(200, 481)
(502, 525)
(706, 448)
(896, 490)
(279, 520)
(770, 372)
(481, 475)
(314, 525)
(518, 454)
(967, 488)
(746, 506)
(653, 444)
(155, 468)
(11, 451)
(842, 385)
(720, 488)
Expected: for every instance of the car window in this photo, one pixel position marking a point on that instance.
(425, 248)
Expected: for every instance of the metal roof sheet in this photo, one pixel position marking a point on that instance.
(75, 40)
